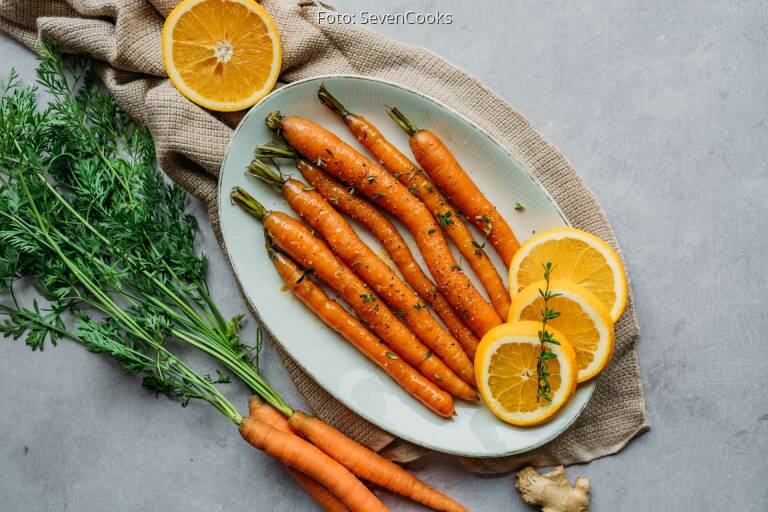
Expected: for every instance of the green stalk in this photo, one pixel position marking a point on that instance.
(211, 343)
(248, 203)
(215, 397)
(402, 121)
(331, 102)
(260, 170)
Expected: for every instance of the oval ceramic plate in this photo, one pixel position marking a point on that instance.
(324, 355)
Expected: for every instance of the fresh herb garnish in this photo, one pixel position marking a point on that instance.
(488, 223)
(368, 297)
(519, 207)
(478, 247)
(545, 336)
(371, 179)
(443, 219)
(413, 190)
(377, 196)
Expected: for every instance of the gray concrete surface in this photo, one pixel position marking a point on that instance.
(663, 109)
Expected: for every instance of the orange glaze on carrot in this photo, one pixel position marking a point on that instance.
(372, 219)
(439, 163)
(296, 240)
(341, 160)
(359, 257)
(447, 217)
(339, 319)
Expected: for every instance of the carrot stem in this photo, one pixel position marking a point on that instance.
(260, 170)
(273, 121)
(248, 203)
(402, 121)
(272, 150)
(331, 102)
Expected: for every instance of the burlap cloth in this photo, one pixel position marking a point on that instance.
(191, 142)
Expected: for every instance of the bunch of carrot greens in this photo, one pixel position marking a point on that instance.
(87, 219)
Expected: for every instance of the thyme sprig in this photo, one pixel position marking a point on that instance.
(545, 336)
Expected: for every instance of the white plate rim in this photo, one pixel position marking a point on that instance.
(589, 386)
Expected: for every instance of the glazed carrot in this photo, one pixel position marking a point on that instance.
(379, 225)
(265, 413)
(412, 177)
(358, 256)
(298, 242)
(439, 163)
(369, 465)
(297, 453)
(341, 160)
(339, 319)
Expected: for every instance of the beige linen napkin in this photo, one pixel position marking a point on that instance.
(191, 141)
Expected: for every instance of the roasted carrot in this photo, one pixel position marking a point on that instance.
(412, 177)
(369, 465)
(440, 164)
(341, 160)
(298, 242)
(358, 256)
(339, 319)
(265, 413)
(379, 225)
(301, 455)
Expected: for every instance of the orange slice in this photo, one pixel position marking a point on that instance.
(584, 321)
(221, 54)
(578, 257)
(507, 376)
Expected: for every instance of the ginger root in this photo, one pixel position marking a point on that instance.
(551, 491)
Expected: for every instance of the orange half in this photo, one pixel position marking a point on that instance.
(221, 54)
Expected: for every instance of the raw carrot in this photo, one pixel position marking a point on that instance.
(298, 242)
(369, 465)
(341, 160)
(339, 319)
(297, 453)
(265, 413)
(319, 493)
(358, 256)
(412, 177)
(439, 163)
(379, 225)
